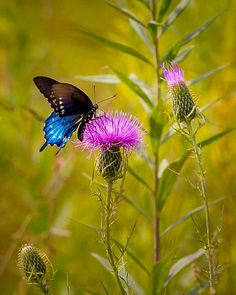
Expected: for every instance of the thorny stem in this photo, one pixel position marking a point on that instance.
(156, 218)
(201, 172)
(110, 253)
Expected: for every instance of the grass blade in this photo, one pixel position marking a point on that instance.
(134, 258)
(189, 215)
(163, 9)
(139, 178)
(173, 15)
(206, 75)
(108, 79)
(134, 87)
(172, 53)
(182, 263)
(121, 47)
(142, 33)
(126, 12)
(183, 54)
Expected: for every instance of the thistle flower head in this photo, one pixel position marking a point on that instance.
(35, 266)
(173, 74)
(114, 135)
(183, 105)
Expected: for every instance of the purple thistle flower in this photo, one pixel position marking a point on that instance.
(173, 74)
(183, 105)
(115, 135)
(113, 129)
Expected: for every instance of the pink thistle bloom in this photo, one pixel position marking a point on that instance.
(113, 130)
(173, 74)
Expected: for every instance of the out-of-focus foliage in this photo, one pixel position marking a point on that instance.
(46, 199)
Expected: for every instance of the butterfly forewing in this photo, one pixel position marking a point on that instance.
(64, 98)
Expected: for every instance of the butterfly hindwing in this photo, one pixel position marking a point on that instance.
(65, 99)
(58, 130)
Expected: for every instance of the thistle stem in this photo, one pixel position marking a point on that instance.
(44, 288)
(156, 217)
(109, 209)
(201, 173)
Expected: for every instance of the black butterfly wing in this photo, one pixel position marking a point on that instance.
(65, 99)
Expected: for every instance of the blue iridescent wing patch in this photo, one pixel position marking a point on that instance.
(58, 130)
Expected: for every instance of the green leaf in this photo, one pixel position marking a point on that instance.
(207, 74)
(124, 275)
(211, 104)
(126, 12)
(170, 174)
(157, 121)
(173, 15)
(121, 47)
(112, 79)
(188, 215)
(130, 281)
(133, 257)
(167, 181)
(182, 263)
(199, 30)
(183, 54)
(215, 137)
(172, 53)
(163, 9)
(135, 206)
(134, 87)
(160, 273)
(139, 178)
(103, 261)
(142, 33)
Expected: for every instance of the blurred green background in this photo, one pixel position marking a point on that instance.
(46, 198)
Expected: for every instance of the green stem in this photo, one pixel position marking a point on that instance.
(197, 153)
(156, 217)
(44, 288)
(109, 209)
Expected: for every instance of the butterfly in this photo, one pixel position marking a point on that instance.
(73, 110)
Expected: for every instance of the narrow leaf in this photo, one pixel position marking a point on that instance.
(163, 9)
(207, 74)
(130, 281)
(183, 54)
(126, 12)
(103, 261)
(135, 206)
(133, 257)
(211, 104)
(134, 87)
(139, 178)
(199, 30)
(188, 215)
(99, 78)
(182, 263)
(170, 174)
(142, 33)
(172, 53)
(167, 181)
(215, 137)
(173, 15)
(121, 47)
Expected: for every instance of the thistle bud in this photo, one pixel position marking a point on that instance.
(110, 164)
(35, 267)
(183, 105)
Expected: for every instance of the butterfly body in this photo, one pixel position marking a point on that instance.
(73, 110)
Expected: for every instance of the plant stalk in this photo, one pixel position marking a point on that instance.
(109, 209)
(156, 217)
(201, 173)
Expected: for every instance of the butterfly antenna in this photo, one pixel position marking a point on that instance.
(58, 151)
(94, 93)
(113, 96)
